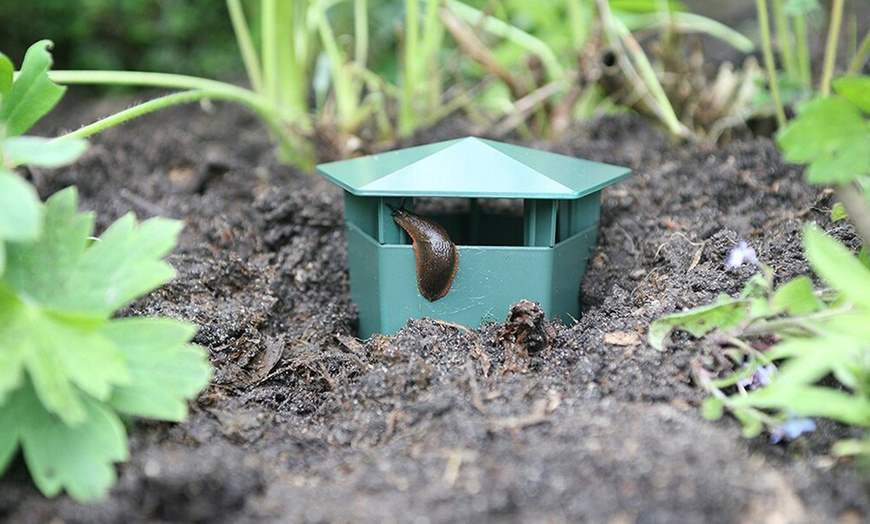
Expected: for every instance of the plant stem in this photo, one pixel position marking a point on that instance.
(246, 44)
(781, 27)
(281, 124)
(409, 69)
(360, 32)
(831, 47)
(764, 28)
(137, 111)
(269, 50)
(171, 81)
(511, 33)
(643, 74)
(861, 55)
(805, 75)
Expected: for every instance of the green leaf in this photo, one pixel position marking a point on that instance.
(6, 70)
(810, 360)
(79, 459)
(42, 152)
(126, 263)
(712, 409)
(850, 447)
(752, 426)
(855, 89)
(64, 365)
(66, 272)
(11, 362)
(725, 313)
(44, 270)
(795, 297)
(810, 402)
(63, 358)
(839, 212)
(166, 371)
(33, 94)
(832, 136)
(21, 219)
(837, 266)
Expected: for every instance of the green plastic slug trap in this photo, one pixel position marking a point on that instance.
(523, 223)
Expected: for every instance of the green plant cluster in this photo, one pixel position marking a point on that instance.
(817, 336)
(70, 373)
(356, 70)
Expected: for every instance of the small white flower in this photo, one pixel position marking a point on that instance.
(741, 254)
(792, 429)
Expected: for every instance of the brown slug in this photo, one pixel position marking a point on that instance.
(437, 257)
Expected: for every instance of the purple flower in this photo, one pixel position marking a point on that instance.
(759, 378)
(791, 429)
(741, 254)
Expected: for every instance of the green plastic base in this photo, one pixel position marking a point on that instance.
(383, 281)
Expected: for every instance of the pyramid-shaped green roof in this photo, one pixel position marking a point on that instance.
(472, 167)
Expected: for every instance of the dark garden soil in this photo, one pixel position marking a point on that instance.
(303, 422)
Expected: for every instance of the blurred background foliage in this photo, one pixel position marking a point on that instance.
(173, 36)
(510, 65)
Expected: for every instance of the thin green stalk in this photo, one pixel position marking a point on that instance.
(805, 74)
(409, 69)
(783, 37)
(141, 109)
(861, 55)
(361, 32)
(433, 35)
(579, 22)
(344, 87)
(696, 23)
(280, 123)
(510, 33)
(269, 47)
(644, 73)
(169, 81)
(831, 47)
(183, 97)
(288, 78)
(764, 27)
(246, 44)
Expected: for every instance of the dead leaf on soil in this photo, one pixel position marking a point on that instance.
(265, 360)
(622, 338)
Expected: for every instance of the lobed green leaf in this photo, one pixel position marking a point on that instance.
(65, 360)
(11, 362)
(21, 219)
(68, 273)
(33, 94)
(725, 313)
(837, 266)
(79, 459)
(165, 370)
(810, 401)
(796, 297)
(832, 136)
(42, 152)
(855, 89)
(43, 272)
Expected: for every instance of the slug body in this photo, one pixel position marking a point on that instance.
(437, 257)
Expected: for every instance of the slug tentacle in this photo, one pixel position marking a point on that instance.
(436, 255)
